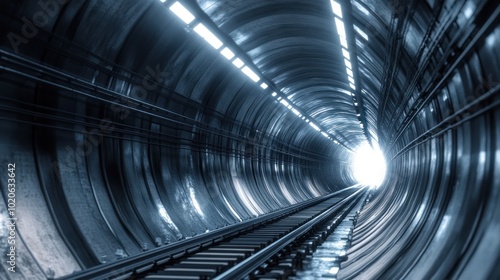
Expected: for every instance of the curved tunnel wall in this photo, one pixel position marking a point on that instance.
(435, 216)
(135, 132)
(158, 139)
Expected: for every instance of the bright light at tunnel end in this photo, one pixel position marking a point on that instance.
(368, 166)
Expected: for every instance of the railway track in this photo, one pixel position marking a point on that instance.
(272, 246)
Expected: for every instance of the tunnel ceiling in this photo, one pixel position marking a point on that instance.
(296, 47)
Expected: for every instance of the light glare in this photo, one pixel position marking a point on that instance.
(469, 10)
(182, 12)
(361, 32)
(284, 102)
(340, 27)
(314, 126)
(346, 54)
(238, 63)
(334, 270)
(337, 9)
(348, 64)
(264, 85)
(343, 42)
(368, 166)
(227, 53)
(361, 8)
(208, 36)
(251, 74)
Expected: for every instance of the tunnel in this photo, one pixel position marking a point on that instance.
(131, 125)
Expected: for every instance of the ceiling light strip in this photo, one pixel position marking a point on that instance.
(204, 32)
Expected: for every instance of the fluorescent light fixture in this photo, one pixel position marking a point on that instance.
(251, 74)
(350, 79)
(355, 103)
(324, 134)
(307, 121)
(284, 102)
(314, 126)
(346, 54)
(361, 125)
(274, 94)
(352, 86)
(227, 53)
(348, 64)
(238, 63)
(349, 72)
(163, 1)
(335, 141)
(295, 111)
(289, 107)
(340, 27)
(279, 98)
(360, 32)
(343, 42)
(361, 8)
(264, 85)
(303, 118)
(337, 9)
(208, 36)
(182, 12)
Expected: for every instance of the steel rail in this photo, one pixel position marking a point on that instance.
(127, 267)
(250, 264)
